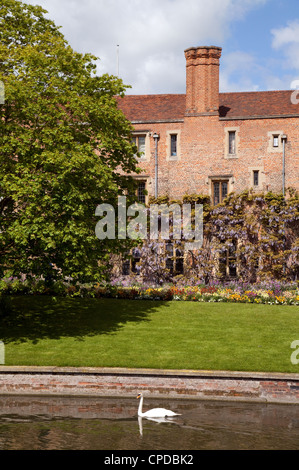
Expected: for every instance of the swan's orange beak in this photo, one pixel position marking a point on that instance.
(139, 395)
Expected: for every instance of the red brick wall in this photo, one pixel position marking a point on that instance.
(202, 126)
(202, 155)
(263, 387)
(202, 79)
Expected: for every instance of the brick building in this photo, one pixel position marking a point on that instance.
(214, 143)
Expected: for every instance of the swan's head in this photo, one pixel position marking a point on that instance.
(139, 395)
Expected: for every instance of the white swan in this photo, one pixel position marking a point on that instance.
(155, 412)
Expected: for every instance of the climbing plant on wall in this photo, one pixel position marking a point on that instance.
(249, 236)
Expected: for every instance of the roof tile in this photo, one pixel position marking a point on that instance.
(171, 107)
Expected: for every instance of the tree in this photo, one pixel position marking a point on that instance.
(65, 148)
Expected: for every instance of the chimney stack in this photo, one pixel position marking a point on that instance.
(202, 80)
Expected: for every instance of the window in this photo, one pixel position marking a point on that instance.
(219, 191)
(139, 141)
(135, 260)
(130, 263)
(255, 177)
(174, 258)
(173, 145)
(228, 261)
(141, 192)
(232, 142)
(126, 267)
(275, 141)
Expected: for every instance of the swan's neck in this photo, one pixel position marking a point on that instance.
(140, 406)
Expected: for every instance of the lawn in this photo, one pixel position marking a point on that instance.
(89, 332)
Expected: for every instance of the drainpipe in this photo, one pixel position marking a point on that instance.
(156, 137)
(284, 139)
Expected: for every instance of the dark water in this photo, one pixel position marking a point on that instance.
(43, 423)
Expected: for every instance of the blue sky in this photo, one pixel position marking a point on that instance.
(266, 37)
(259, 39)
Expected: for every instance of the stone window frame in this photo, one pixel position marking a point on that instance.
(228, 262)
(143, 179)
(169, 133)
(143, 133)
(229, 179)
(256, 178)
(262, 181)
(227, 131)
(174, 257)
(271, 135)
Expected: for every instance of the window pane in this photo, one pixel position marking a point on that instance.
(173, 141)
(275, 141)
(224, 190)
(169, 264)
(141, 144)
(216, 193)
(256, 178)
(179, 266)
(169, 249)
(232, 249)
(141, 192)
(222, 264)
(126, 267)
(232, 142)
(179, 253)
(135, 267)
(136, 259)
(232, 269)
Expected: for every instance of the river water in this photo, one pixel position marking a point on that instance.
(60, 423)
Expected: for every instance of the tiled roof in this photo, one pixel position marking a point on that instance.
(148, 108)
(153, 108)
(257, 103)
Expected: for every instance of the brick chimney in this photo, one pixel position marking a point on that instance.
(202, 80)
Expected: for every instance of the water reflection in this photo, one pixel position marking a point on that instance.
(42, 423)
(155, 420)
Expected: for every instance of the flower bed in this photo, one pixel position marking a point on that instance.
(271, 293)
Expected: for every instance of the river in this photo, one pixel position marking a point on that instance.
(63, 423)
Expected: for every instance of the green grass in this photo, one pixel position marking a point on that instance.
(149, 334)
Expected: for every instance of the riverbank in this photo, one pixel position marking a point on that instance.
(121, 382)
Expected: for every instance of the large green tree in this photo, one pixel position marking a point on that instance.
(65, 148)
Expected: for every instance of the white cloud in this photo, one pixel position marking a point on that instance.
(286, 35)
(241, 71)
(238, 72)
(287, 40)
(151, 34)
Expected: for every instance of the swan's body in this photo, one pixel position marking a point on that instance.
(155, 412)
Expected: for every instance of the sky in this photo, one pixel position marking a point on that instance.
(143, 41)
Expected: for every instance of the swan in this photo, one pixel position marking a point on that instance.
(155, 412)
